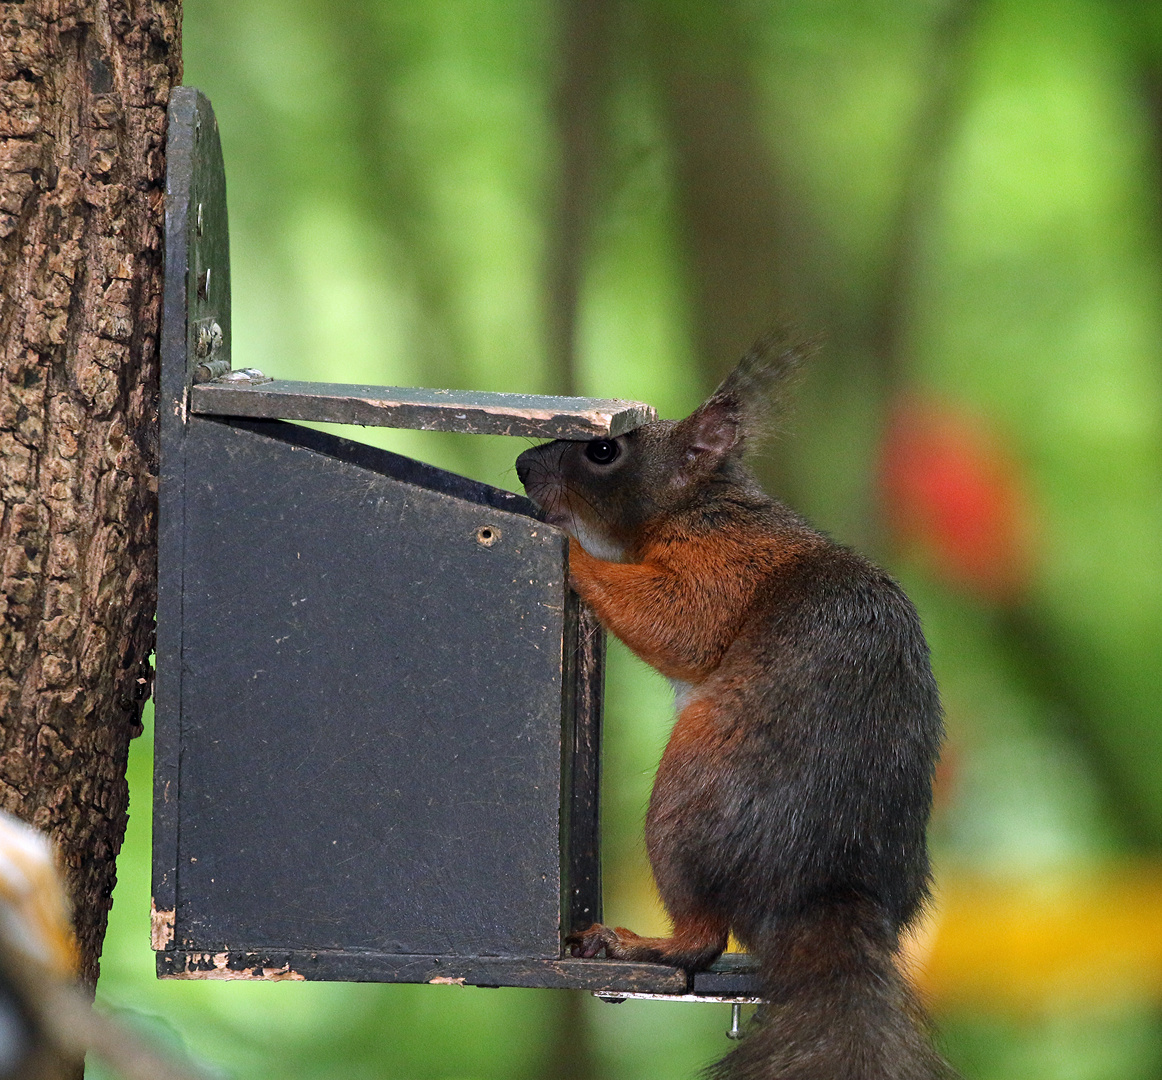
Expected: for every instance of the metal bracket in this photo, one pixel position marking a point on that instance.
(196, 298)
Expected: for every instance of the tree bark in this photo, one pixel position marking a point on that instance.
(83, 89)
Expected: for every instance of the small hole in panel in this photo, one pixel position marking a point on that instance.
(487, 535)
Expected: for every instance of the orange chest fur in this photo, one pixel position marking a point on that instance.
(680, 607)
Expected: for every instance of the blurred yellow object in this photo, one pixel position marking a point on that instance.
(1083, 937)
(34, 915)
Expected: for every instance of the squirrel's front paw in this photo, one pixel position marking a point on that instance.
(598, 938)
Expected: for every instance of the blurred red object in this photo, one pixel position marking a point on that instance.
(954, 496)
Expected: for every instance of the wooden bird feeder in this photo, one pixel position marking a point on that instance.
(378, 701)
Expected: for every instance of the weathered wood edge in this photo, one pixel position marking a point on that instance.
(181, 116)
(477, 413)
(598, 976)
(581, 769)
(196, 293)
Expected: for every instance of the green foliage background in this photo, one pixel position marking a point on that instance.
(963, 197)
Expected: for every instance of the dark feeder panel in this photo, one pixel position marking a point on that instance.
(378, 702)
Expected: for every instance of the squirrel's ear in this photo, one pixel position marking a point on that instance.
(736, 413)
(709, 435)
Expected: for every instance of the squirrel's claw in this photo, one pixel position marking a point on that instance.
(589, 943)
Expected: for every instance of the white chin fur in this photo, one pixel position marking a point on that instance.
(599, 546)
(684, 693)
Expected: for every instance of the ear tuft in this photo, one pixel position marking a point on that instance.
(756, 389)
(734, 416)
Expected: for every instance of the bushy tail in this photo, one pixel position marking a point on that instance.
(838, 1009)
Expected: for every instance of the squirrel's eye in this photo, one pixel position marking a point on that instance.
(602, 451)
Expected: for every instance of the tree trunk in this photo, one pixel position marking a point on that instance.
(83, 87)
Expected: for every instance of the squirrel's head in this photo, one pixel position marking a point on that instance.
(606, 492)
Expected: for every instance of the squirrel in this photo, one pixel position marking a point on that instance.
(791, 803)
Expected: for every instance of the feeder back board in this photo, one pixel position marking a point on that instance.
(378, 702)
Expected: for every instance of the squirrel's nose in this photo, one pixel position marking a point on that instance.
(522, 468)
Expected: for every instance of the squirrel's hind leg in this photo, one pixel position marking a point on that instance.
(697, 941)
